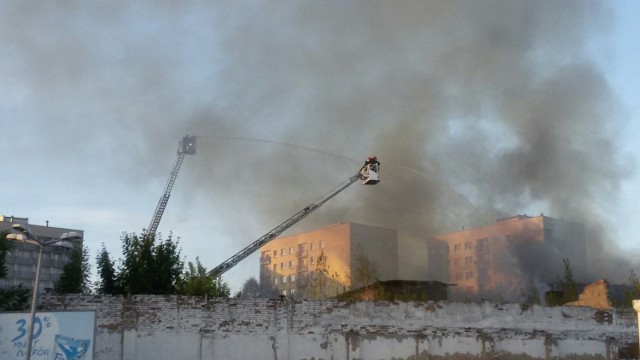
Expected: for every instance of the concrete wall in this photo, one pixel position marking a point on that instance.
(171, 327)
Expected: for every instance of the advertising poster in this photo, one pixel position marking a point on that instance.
(67, 335)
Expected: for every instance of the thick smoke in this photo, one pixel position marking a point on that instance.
(477, 110)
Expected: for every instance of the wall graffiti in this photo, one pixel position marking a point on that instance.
(65, 335)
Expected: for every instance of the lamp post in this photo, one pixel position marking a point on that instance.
(27, 237)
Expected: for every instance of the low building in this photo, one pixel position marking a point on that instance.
(22, 260)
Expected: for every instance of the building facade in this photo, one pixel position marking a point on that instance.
(290, 265)
(22, 260)
(507, 260)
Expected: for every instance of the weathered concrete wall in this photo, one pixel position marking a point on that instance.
(171, 327)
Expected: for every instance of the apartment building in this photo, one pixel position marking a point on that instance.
(504, 260)
(289, 263)
(22, 260)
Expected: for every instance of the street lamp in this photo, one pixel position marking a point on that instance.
(27, 237)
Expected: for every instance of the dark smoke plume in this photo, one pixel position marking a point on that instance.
(476, 109)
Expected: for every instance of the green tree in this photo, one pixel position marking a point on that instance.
(167, 267)
(568, 284)
(75, 274)
(634, 292)
(5, 247)
(147, 267)
(364, 273)
(532, 296)
(17, 297)
(322, 283)
(196, 281)
(107, 273)
(251, 289)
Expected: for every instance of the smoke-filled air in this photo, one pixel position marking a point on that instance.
(477, 110)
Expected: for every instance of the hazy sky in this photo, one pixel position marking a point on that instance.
(476, 109)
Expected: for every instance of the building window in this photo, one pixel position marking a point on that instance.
(283, 251)
(275, 267)
(458, 276)
(468, 246)
(284, 279)
(291, 250)
(311, 260)
(312, 246)
(292, 291)
(291, 264)
(469, 274)
(265, 259)
(322, 244)
(276, 281)
(468, 260)
(275, 253)
(292, 278)
(302, 249)
(456, 247)
(281, 266)
(456, 262)
(284, 292)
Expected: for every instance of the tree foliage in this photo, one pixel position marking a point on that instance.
(634, 291)
(106, 273)
(150, 267)
(364, 273)
(75, 274)
(322, 283)
(5, 247)
(532, 296)
(251, 289)
(568, 284)
(196, 281)
(147, 267)
(17, 297)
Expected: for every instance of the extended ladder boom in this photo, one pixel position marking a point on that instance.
(368, 173)
(186, 146)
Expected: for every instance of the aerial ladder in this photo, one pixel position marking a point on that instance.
(368, 173)
(186, 146)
